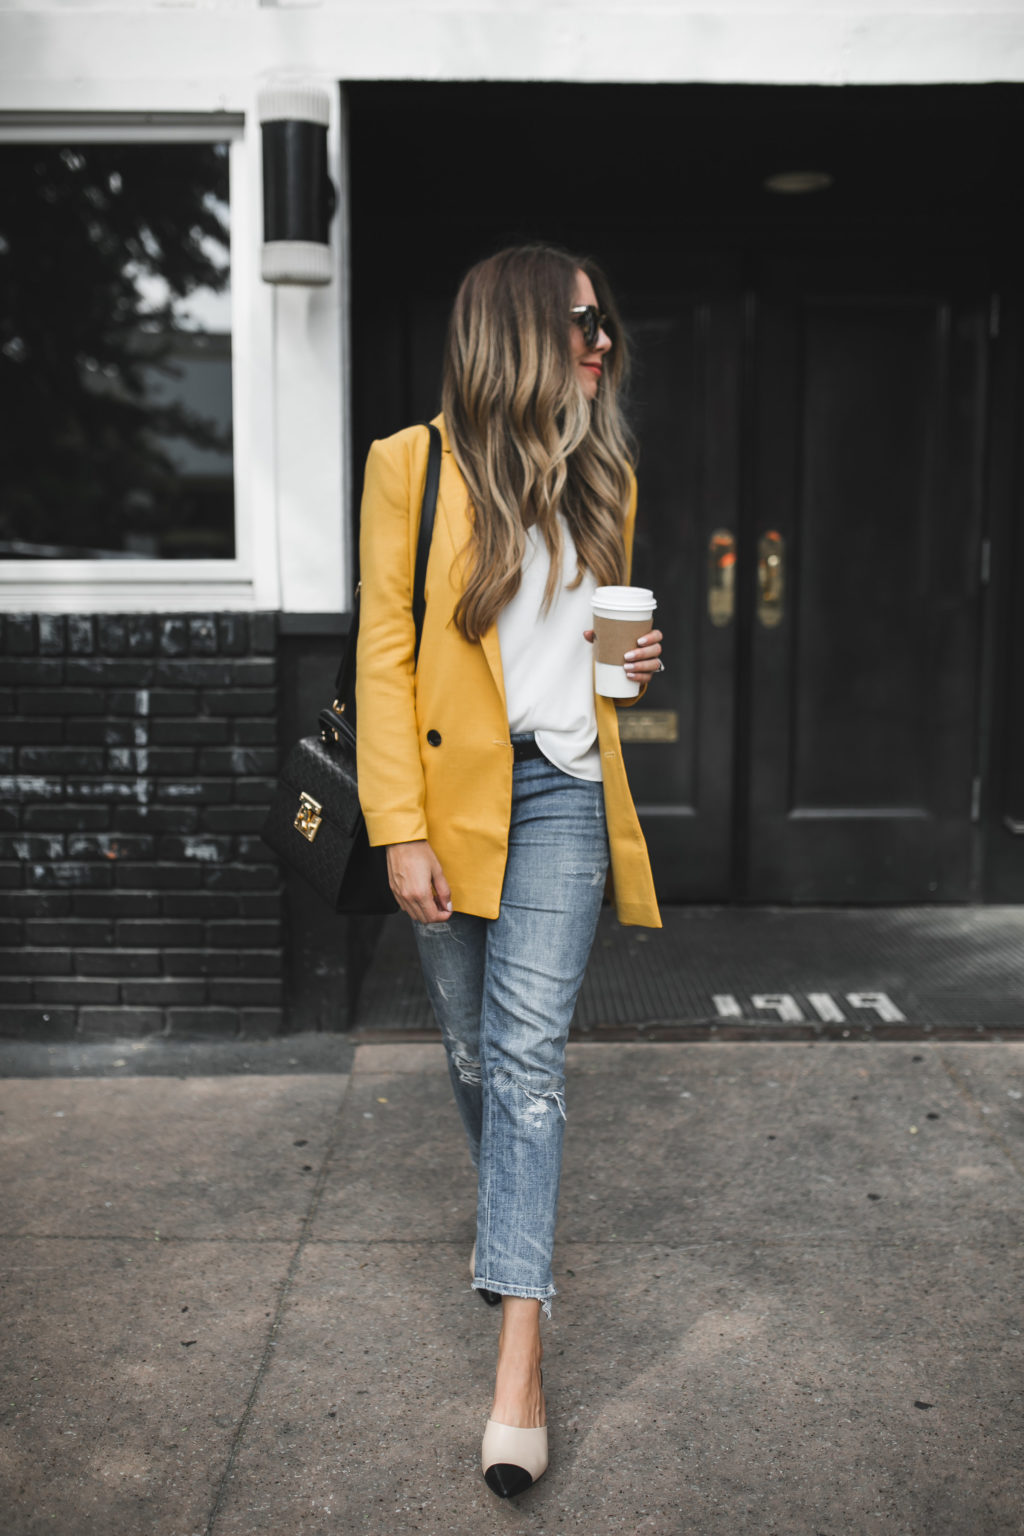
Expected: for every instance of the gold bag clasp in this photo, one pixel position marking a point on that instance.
(310, 815)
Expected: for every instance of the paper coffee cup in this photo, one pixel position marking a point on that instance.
(621, 616)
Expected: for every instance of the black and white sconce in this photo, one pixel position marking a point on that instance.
(298, 195)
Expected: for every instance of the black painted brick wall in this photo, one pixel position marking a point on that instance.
(137, 755)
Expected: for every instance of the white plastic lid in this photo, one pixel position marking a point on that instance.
(636, 599)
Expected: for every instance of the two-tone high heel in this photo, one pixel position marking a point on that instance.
(512, 1459)
(492, 1298)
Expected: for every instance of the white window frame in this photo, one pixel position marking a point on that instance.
(105, 586)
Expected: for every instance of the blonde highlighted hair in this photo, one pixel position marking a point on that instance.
(528, 442)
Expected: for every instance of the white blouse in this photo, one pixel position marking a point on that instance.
(547, 664)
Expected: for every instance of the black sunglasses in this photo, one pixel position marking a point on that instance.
(590, 321)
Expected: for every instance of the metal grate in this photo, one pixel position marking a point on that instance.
(836, 972)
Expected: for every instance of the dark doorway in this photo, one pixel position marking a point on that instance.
(827, 404)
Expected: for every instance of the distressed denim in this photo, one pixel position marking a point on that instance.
(503, 991)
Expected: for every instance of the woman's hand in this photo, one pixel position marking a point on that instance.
(418, 883)
(645, 660)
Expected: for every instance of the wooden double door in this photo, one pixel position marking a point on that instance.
(812, 441)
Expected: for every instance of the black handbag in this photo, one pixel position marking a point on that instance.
(315, 823)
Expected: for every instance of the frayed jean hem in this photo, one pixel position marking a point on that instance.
(527, 1293)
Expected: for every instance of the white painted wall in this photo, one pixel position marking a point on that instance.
(89, 56)
(165, 53)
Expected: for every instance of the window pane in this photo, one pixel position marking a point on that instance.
(115, 352)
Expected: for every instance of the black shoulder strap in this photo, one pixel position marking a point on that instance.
(344, 685)
(429, 507)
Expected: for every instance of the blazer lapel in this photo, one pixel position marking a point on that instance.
(453, 505)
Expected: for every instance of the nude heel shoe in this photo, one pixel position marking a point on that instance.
(492, 1298)
(513, 1459)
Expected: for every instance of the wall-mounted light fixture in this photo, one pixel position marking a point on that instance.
(298, 195)
(795, 182)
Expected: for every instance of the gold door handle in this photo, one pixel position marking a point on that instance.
(721, 577)
(771, 578)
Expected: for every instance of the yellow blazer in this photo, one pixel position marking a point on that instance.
(434, 755)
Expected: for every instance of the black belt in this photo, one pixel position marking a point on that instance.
(525, 747)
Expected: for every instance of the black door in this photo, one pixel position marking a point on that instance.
(812, 448)
(680, 740)
(867, 459)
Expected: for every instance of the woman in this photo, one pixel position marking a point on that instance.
(489, 769)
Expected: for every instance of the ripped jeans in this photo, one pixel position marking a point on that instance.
(503, 991)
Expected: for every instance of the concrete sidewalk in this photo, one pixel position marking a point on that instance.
(789, 1276)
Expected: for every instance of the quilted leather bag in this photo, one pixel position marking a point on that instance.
(315, 824)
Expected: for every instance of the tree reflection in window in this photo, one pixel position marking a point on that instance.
(115, 352)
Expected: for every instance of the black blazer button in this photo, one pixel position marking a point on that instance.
(434, 737)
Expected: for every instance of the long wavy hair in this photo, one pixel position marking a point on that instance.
(528, 442)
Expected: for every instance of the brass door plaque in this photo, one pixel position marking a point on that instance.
(648, 725)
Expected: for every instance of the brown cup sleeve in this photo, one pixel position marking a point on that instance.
(614, 637)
